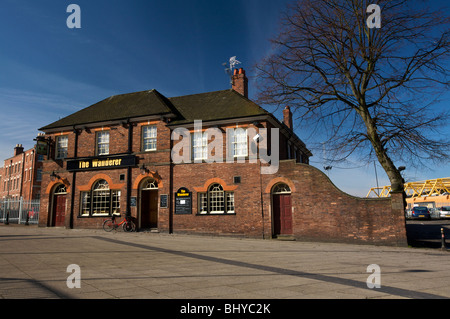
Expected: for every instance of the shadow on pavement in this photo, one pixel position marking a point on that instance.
(427, 233)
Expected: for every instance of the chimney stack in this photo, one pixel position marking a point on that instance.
(240, 82)
(287, 117)
(18, 149)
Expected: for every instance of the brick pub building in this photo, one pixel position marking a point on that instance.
(114, 157)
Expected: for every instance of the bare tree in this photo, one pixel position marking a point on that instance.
(371, 89)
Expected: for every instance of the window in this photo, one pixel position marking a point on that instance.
(100, 198)
(60, 189)
(39, 175)
(149, 184)
(85, 203)
(281, 188)
(216, 201)
(202, 203)
(102, 143)
(240, 147)
(61, 146)
(149, 138)
(100, 201)
(200, 146)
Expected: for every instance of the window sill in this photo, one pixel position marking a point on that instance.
(95, 216)
(215, 214)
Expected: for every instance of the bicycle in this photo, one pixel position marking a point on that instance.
(127, 224)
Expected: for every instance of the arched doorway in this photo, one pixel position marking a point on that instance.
(148, 216)
(58, 216)
(281, 210)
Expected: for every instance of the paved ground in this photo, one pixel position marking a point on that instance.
(34, 261)
(427, 233)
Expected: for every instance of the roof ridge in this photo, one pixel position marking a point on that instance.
(187, 95)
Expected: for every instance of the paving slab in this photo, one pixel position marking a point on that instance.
(119, 265)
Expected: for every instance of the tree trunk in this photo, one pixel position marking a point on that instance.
(381, 152)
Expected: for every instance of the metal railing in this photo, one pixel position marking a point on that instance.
(19, 211)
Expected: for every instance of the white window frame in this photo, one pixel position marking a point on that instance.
(240, 142)
(102, 143)
(216, 198)
(199, 146)
(62, 143)
(149, 137)
(100, 200)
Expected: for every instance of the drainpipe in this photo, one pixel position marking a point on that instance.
(74, 180)
(171, 192)
(129, 170)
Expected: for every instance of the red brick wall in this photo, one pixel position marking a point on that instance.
(247, 219)
(321, 212)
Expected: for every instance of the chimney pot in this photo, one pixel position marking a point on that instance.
(240, 82)
(18, 149)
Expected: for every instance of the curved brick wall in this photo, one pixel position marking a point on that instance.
(322, 212)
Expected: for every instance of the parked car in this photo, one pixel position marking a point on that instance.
(408, 213)
(444, 212)
(434, 213)
(420, 212)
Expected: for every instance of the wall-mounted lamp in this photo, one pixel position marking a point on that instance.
(257, 138)
(54, 176)
(144, 170)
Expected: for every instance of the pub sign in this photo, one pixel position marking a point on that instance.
(183, 201)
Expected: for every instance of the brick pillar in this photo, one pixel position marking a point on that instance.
(398, 219)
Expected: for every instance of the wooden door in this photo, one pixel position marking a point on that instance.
(149, 209)
(282, 214)
(59, 210)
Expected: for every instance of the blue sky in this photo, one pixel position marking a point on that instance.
(49, 71)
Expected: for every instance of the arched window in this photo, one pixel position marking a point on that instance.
(100, 201)
(281, 188)
(60, 189)
(100, 198)
(216, 201)
(149, 184)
